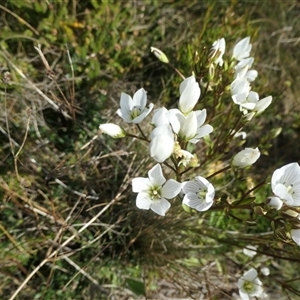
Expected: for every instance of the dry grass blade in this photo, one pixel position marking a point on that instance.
(34, 87)
(54, 253)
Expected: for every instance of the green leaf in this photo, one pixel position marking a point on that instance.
(135, 286)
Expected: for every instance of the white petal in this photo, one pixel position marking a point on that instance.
(218, 48)
(143, 201)
(275, 202)
(202, 182)
(195, 202)
(175, 115)
(295, 233)
(170, 189)
(242, 49)
(251, 75)
(191, 186)
(250, 275)
(161, 147)
(288, 174)
(161, 130)
(244, 295)
(239, 98)
(201, 132)
(186, 82)
(156, 176)
(190, 93)
(160, 117)
(253, 97)
(143, 114)
(246, 62)
(281, 191)
(192, 200)
(126, 102)
(210, 195)
(248, 105)
(189, 127)
(140, 98)
(263, 104)
(201, 116)
(140, 184)
(285, 183)
(176, 119)
(240, 86)
(125, 115)
(160, 206)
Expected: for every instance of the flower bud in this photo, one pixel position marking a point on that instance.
(245, 158)
(160, 55)
(113, 130)
(265, 271)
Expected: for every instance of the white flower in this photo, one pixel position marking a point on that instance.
(242, 69)
(295, 234)
(154, 191)
(187, 158)
(217, 51)
(113, 130)
(202, 130)
(188, 128)
(189, 94)
(245, 158)
(285, 184)
(134, 110)
(191, 126)
(240, 89)
(162, 116)
(253, 103)
(199, 193)
(249, 285)
(162, 143)
(250, 250)
(242, 49)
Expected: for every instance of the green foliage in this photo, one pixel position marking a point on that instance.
(66, 173)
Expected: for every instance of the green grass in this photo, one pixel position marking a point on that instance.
(66, 172)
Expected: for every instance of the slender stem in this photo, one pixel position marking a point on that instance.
(7, 124)
(250, 191)
(142, 133)
(22, 146)
(218, 172)
(177, 71)
(137, 137)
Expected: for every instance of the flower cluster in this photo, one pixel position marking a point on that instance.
(175, 130)
(173, 140)
(183, 124)
(240, 88)
(171, 130)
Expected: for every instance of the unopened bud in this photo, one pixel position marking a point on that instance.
(113, 130)
(245, 158)
(160, 55)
